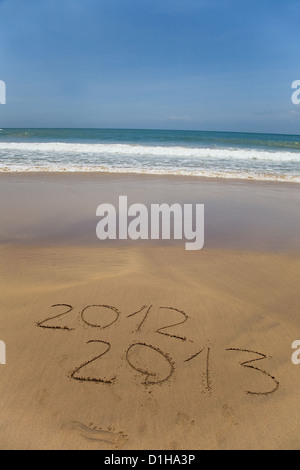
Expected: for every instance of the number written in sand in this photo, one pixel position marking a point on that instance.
(104, 316)
(100, 316)
(162, 331)
(145, 310)
(49, 324)
(208, 385)
(77, 373)
(139, 354)
(248, 365)
(155, 366)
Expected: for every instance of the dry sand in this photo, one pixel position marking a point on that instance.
(156, 346)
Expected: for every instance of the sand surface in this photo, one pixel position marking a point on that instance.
(142, 346)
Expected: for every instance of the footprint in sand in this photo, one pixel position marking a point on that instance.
(230, 422)
(97, 435)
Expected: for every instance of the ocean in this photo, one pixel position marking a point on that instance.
(265, 157)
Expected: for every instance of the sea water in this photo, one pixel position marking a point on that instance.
(208, 154)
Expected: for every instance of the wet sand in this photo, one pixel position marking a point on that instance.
(145, 345)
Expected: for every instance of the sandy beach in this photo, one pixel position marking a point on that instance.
(144, 345)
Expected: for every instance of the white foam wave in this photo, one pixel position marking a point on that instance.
(227, 174)
(59, 148)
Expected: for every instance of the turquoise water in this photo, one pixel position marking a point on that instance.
(211, 154)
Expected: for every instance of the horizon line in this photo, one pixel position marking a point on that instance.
(150, 129)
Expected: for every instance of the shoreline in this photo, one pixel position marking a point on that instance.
(94, 174)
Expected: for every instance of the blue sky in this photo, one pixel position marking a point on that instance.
(165, 64)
